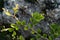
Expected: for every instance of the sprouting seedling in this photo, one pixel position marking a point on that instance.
(7, 12)
(16, 8)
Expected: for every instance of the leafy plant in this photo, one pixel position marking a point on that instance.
(36, 17)
(55, 30)
(34, 20)
(21, 37)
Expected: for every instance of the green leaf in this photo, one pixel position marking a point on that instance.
(50, 38)
(44, 35)
(38, 36)
(16, 8)
(18, 22)
(32, 39)
(16, 12)
(56, 34)
(15, 26)
(10, 29)
(55, 30)
(23, 22)
(39, 30)
(26, 27)
(36, 17)
(14, 33)
(7, 12)
(32, 32)
(21, 37)
(30, 25)
(5, 29)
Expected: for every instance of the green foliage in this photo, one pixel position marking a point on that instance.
(18, 22)
(21, 37)
(55, 30)
(50, 38)
(26, 27)
(30, 25)
(32, 32)
(32, 39)
(23, 22)
(13, 34)
(45, 35)
(39, 30)
(36, 17)
(10, 29)
(34, 20)
(5, 29)
(15, 26)
(38, 36)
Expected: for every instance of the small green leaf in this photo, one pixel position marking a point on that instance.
(21, 37)
(15, 11)
(18, 22)
(5, 29)
(44, 35)
(26, 27)
(14, 33)
(36, 17)
(15, 26)
(32, 39)
(39, 30)
(23, 22)
(50, 38)
(32, 32)
(10, 29)
(30, 25)
(16, 8)
(38, 36)
(7, 12)
(56, 34)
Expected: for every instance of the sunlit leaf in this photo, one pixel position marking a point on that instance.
(56, 34)
(38, 36)
(32, 32)
(5, 29)
(30, 25)
(39, 30)
(21, 37)
(16, 8)
(23, 22)
(14, 33)
(36, 17)
(32, 39)
(18, 22)
(7, 12)
(50, 38)
(10, 29)
(15, 26)
(26, 27)
(44, 35)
